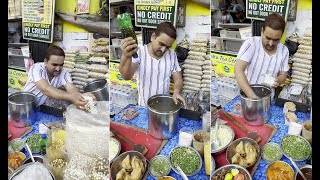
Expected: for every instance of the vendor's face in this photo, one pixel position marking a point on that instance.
(223, 11)
(270, 38)
(160, 44)
(54, 64)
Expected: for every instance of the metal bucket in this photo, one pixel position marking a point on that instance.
(22, 107)
(256, 111)
(163, 116)
(99, 88)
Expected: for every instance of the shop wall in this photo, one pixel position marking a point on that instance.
(73, 36)
(198, 21)
(303, 18)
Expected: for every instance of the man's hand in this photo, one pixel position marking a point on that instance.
(128, 47)
(276, 83)
(177, 97)
(78, 100)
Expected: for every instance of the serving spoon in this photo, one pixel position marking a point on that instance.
(30, 153)
(298, 169)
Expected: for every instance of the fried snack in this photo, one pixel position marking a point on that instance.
(136, 162)
(251, 154)
(236, 158)
(121, 174)
(243, 162)
(240, 149)
(126, 163)
(136, 174)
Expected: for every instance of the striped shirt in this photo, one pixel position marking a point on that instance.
(153, 76)
(260, 62)
(38, 72)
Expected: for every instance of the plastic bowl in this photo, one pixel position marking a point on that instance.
(231, 150)
(190, 148)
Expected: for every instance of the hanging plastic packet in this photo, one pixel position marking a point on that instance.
(127, 30)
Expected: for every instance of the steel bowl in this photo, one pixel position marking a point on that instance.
(231, 150)
(36, 158)
(24, 157)
(302, 138)
(119, 148)
(276, 162)
(271, 143)
(21, 168)
(19, 140)
(10, 171)
(241, 169)
(213, 165)
(116, 164)
(33, 152)
(190, 148)
(150, 162)
(170, 177)
(301, 168)
(224, 147)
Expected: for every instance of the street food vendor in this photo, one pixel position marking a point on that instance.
(262, 55)
(155, 64)
(45, 79)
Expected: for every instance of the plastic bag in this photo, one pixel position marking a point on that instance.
(88, 133)
(182, 53)
(292, 46)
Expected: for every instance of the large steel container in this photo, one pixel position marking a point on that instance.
(256, 111)
(99, 88)
(163, 116)
(22, 107)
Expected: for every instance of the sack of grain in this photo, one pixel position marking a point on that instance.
(87, 133)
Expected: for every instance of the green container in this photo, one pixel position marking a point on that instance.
(126, 27)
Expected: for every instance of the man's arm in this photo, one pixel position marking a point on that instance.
(52, 92)
(177, 87)
(127, 67)
(239, 68)
(58, 94)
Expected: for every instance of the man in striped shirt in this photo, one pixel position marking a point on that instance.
(263, 55)
(45, 79)
(154, 66)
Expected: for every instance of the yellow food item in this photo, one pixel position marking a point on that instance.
(280, 171)
(166, 178)
(15, 159)
(207, 157)
(61, 134)
(240, 149)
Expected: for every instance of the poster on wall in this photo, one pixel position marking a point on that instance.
(83, 6)
(37, 20)
(17, 79)
(150, 13)
(260, 9)
(224, 64)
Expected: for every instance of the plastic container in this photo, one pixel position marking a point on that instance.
(43, 144)
(295, 128)
(185, 136)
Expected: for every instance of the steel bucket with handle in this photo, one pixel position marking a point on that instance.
(256, 111)
(163, 115)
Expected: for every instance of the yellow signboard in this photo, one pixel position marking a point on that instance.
(224, 64)
(116, 78)
(17, 79)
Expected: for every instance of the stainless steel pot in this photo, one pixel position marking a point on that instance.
(99, 88)
(22, 107)
(163, 116)
(256, 111)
